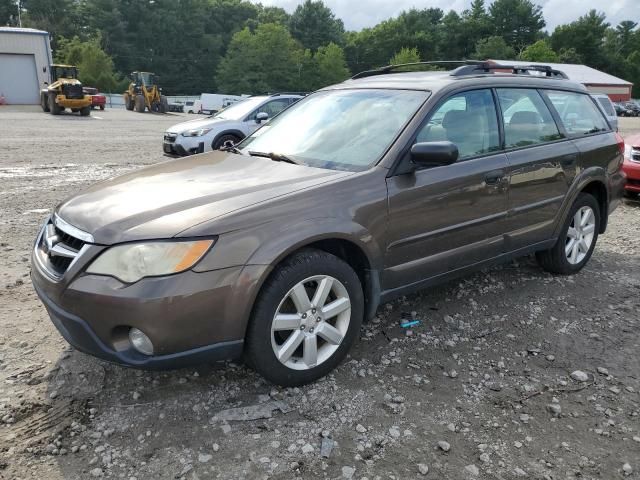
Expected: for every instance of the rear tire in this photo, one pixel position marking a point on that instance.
(300, 348)
(53, 106)
(575, 245)
(139, 103)
(164, 104)
(44, 103)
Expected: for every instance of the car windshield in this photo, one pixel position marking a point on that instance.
(240, 110)
(338, 129)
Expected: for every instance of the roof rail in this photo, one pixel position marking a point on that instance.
(288, 93)
(490, 67)
(391, 68)
(469, 67)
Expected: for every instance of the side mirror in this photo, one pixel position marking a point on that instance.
(261, 117)
(434, 154)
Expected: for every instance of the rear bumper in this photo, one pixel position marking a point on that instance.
(79, 334)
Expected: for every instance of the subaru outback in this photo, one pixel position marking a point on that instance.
(279, 247)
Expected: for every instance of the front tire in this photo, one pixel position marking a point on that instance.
(53, 106)
(305, 319)
(219, 142)
(44, 103)
(577, 238)
(85, 111)
(139, 103)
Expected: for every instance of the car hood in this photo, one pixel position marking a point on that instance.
(197, 123)
(633, 140)
(163, 200)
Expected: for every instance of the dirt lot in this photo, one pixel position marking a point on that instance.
(482, 388)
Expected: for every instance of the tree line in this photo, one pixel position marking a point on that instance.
(235, 46)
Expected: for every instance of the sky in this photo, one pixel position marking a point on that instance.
(358, 14)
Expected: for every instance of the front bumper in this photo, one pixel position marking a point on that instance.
(632, 171)
(80, 335)
(63, 101)
(176, 144)
(190, 317)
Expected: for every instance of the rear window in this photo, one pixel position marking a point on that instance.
(607, 106)
(578, 113)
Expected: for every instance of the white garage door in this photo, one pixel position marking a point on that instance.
(19, 79)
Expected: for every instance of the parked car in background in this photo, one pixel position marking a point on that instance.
(631, 166)
(194, 106)
(233, 123)
(211, 103)
(633, 107)
(97, 99)
(621, 110)
(280, 247)
(606, 105)
(175, 107)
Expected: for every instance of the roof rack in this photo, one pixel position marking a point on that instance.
(470, 67)
(391, 68)
(490, 67)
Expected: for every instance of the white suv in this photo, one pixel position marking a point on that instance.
(233, 123)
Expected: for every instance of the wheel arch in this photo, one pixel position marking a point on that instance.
(592, 181)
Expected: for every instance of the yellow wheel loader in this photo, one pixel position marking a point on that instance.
(64, 91)
(144, 93)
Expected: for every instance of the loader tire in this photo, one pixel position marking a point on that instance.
(139, 105)
(53, 106)
(44, 103)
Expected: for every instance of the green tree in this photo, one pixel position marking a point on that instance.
(494, 48)
(518, 22)
(405, 55)
(266, 60)
(331, 66)
(540, 51)
(476, 25)
(94, 65)
(315, 25)
(585, 35)
(9, 13)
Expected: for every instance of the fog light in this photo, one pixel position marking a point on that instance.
(140, 341)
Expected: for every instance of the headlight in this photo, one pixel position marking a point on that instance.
(198, 132)
(134, 261)
(627, 151)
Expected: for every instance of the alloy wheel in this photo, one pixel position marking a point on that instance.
(310, 322)
(580, 235)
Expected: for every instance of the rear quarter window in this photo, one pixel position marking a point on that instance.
(607, 106)
(578, 112)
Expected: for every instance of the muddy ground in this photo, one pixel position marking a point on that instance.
(482, 388)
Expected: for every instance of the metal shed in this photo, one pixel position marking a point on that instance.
(25, 56)
(619, 90)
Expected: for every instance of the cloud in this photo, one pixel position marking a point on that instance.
(359, 14)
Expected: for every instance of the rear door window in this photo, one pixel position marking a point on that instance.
(578, 113)
(527, 120)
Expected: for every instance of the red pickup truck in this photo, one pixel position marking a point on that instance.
(97, 99)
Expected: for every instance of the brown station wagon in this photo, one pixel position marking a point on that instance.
(281, 246)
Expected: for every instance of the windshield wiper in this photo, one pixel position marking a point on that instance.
(231, 148)
(278, 157)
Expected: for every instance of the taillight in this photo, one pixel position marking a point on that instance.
(620, 143)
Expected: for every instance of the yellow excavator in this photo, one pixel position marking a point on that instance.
(65, 91)
(144, 93)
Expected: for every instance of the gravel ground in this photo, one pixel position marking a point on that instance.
(512, 373)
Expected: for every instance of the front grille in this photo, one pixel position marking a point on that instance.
(170, 137)
(57, 248)
(632, 181)
(73, 91)
(635, 154)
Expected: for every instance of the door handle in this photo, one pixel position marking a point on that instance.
(494, 177)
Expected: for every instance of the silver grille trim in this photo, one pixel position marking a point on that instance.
(59, 246)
